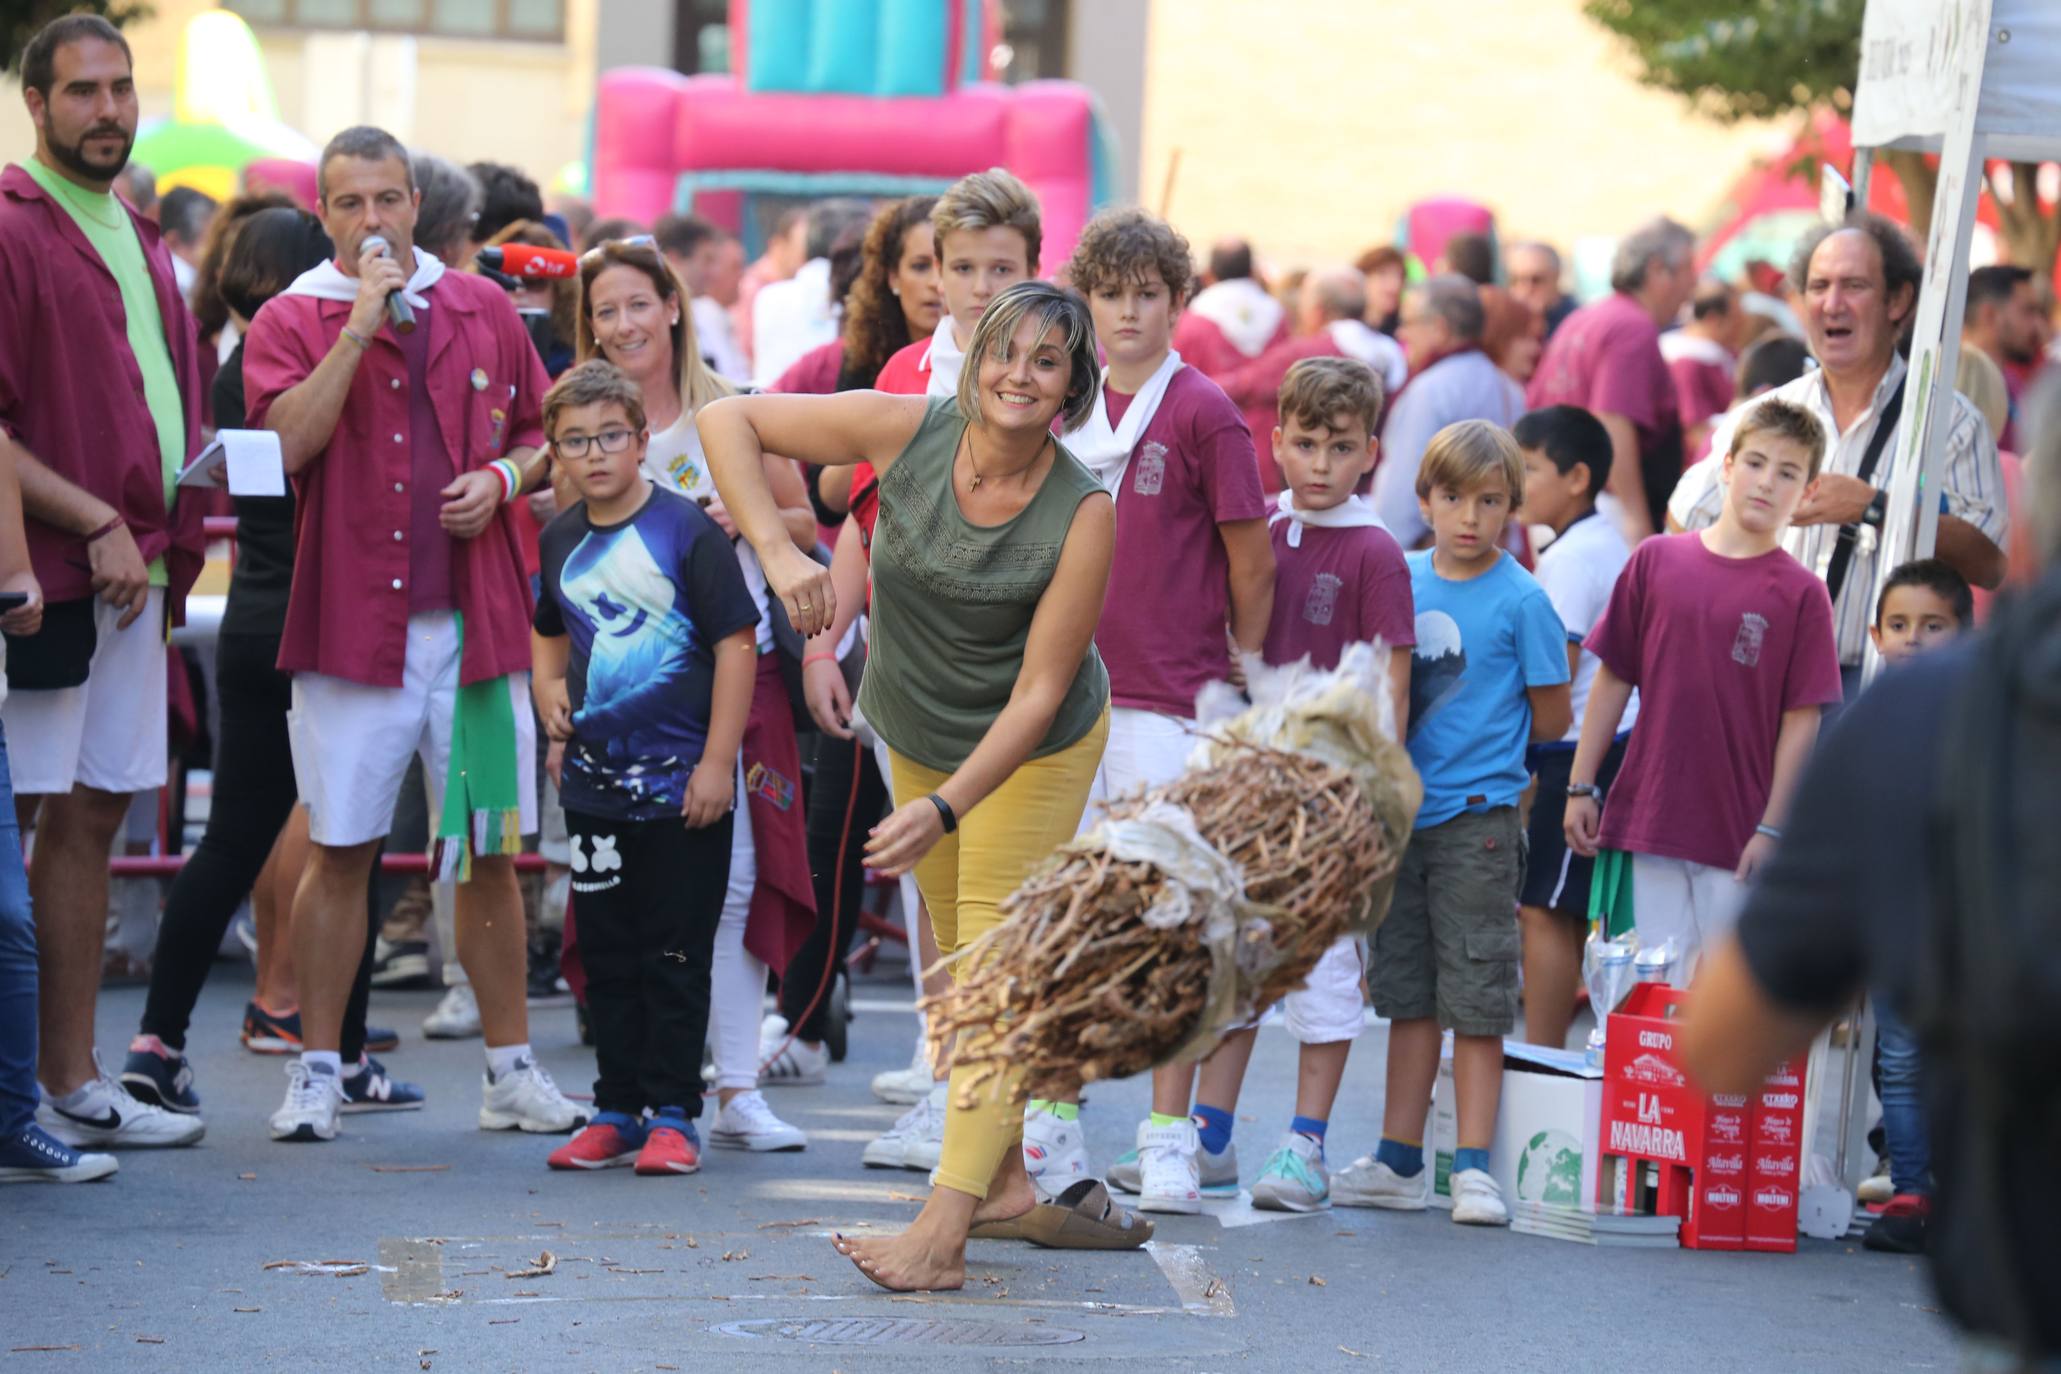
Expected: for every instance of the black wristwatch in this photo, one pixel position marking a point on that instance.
(1877, 511)
(1584, 789)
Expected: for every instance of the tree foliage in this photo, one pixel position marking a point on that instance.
(20, 19)
(1734, 60)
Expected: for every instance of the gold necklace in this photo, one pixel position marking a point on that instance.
(971, 463)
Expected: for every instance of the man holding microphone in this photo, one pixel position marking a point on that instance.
(406, 403)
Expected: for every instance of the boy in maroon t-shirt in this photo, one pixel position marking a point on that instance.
(1196, 576)
(1729, 641)
(1339, 579)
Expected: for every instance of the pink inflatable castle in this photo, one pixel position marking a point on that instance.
(845, 97)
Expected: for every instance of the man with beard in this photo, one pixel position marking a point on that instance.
(99, 390)
(2002, 318)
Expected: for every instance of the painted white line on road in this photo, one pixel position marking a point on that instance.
(1201, 1292)
(882, 1004)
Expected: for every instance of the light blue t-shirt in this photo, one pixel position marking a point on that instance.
(1480, 645)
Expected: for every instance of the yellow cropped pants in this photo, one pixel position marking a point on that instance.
(963, 881)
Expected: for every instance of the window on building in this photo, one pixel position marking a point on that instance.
(540, 21)
(701, 36)
(1033, 43)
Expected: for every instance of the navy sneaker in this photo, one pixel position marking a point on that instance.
(33, 1155)
(159, 1075)
(367, 1088)
(381, 1039)
(267, 1033)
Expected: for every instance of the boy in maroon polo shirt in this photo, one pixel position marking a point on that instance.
(1729, 642)
(407, 629)
(1197, 575)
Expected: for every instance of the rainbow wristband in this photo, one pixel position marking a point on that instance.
(511, 478)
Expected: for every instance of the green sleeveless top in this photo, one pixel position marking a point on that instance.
(952, 604)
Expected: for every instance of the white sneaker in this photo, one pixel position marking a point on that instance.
(525, 1099)
(1367, 1182)
(108, 1117)
(1170, 1176)
(905, 1086)
(917, 1140)
(312, 1102)
(1055, 1154)
(1294, 1178)
(747, 1123)
(1218, 1172)
(1477, 1201)
(1876, 1187)
(456, 1017)
(785, 1063)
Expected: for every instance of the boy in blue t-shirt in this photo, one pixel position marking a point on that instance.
(1489, 677)
(643, 663)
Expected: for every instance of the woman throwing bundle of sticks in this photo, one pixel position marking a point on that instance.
(990, 560)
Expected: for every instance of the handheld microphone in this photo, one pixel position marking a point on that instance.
(525, 260)
(398, 312)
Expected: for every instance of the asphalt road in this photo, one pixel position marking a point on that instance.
(165, 1267)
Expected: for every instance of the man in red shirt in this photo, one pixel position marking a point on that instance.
(407, 630)
(1233, 319)
(100, 392)
(1702, 357)
(1606, 359)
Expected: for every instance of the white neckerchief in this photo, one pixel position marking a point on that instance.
(1355, 512)
(327, 282)
(1242, 311)
(1106, 451)
(944, 360)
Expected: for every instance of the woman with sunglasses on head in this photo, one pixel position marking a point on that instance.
(990, 559)
(633, 312)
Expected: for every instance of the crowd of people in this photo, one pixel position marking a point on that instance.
(553, 564)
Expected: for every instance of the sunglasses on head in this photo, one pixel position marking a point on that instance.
(634, 241)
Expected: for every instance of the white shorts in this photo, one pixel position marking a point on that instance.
(352, 743)
(1145, 749)
(1332, 1005)
(1692, 903)
(110, 732)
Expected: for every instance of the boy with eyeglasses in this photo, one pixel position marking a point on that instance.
(643, 662)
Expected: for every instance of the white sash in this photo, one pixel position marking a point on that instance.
(1242, 311)
(1355, 512)
(1106, 452)
(944, 361)
(327, 282)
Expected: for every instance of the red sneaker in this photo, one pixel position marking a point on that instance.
(669, 1150)
(599, 1146)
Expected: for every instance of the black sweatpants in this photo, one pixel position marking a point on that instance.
(254, 793)
(649, 895)
(846, 798)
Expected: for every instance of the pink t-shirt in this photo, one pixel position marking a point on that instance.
(1163, 626)
(1338, 587)
(1719, 648)
(1703, 389)
(1606, 358)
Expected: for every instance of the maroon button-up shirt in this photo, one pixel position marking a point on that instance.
(347, 616)
(72, 394)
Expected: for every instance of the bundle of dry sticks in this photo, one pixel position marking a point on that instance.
(1138, 945)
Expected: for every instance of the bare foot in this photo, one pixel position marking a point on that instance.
(1010, 1193)
(908, 1263)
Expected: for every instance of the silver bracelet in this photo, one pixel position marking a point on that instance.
(1767, 830)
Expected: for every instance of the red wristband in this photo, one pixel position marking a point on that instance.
(109, 528)
(817, 657)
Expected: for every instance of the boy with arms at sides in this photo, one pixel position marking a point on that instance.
(1925, 605)
(1729, 642)
(1197, 575)
(988, 237)
(1489, 677)
(645, 655)
(1340, 579)
(1566, 462)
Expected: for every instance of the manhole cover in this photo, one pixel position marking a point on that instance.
(898, 1331)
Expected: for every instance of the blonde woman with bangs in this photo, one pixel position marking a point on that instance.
(633, 312)
(991, 556)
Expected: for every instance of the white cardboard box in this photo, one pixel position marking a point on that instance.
(1545, 1147)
